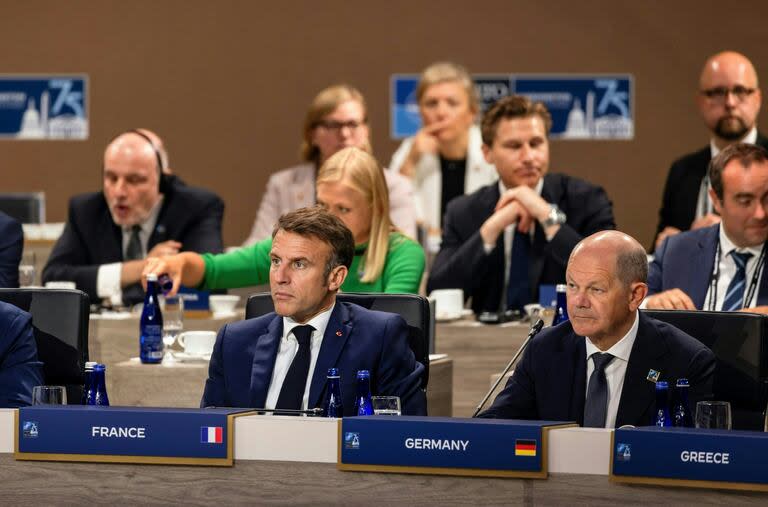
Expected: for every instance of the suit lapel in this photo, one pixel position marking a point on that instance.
(577, 377)
(336, 335)
(160, 232)
(703, 258)
(264, 351)
(638, 393)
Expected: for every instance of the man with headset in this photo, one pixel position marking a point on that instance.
(720, 267)
(140, 213)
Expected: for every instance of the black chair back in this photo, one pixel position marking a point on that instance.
(414, 309)
(60, 322)
(740, 344)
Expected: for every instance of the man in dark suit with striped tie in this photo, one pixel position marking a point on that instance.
(720, 267)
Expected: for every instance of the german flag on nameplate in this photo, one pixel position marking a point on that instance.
(525, 448)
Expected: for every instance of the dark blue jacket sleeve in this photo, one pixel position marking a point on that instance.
(20, 370)
(11, 245)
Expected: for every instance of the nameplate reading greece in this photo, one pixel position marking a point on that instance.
(126, 434)
(691, 457)
(445, 446)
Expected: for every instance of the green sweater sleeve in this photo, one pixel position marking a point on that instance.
(240, 268)
(404, 267)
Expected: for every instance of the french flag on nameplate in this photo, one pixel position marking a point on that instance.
(211, 435)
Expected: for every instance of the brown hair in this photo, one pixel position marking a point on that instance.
(514, 106)
(318, 223)
(322, 105)
(746, 154)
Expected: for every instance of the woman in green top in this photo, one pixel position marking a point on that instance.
(351, 185)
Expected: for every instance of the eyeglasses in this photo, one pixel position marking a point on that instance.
(336, 126)
(720, 94)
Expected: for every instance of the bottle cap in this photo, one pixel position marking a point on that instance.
(333, 372)
(363, 374)
(99, 367)
(682, 382)
(560, 287)
(151, 277)
(662, 384)
(89, 365)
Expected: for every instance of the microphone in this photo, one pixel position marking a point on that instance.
(535, 328)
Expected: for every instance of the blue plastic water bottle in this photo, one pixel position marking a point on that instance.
(661, 416)
(333, 406)
(97, 395)
(151, 325)
(363, 402)
(88, 382)
(561, 310)
(681, 412)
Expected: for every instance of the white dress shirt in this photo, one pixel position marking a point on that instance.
(728, 270)
(289, 346)
(108, 276)
(615, 371)
(704, 203)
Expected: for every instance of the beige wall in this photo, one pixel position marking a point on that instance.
(227, 82)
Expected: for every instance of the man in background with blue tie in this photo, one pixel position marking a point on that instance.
(281, 360)
(720, 267)
(504, 240)
(599, 369)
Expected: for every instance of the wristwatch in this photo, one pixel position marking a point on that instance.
(555, 217)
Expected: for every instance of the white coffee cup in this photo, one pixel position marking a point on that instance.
(448, 303)
(198, 343)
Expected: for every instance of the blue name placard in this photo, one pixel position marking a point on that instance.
(582, 106)
(126, 434)
(194, 300)
(44, 107)
(693, 457)
(436, 445)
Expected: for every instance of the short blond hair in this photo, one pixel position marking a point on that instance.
(322, 105)
(442, 72)
(361, 172)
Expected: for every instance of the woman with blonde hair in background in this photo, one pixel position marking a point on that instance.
(350, 185)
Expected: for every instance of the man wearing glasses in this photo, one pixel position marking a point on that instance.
(729, 102)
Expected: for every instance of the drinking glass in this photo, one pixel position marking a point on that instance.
(27, 270)
(49, 395)
(173, 323)
(714, 415)
(385, 405)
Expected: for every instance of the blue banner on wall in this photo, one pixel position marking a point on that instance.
(44, 107)
(429, 444)
(190, 436)
(582, 107)
(718, 457)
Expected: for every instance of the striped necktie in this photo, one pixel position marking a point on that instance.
(734, 296)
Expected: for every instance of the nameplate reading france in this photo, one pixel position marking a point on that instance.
(691, 457)
(435, 445)
(126, 434)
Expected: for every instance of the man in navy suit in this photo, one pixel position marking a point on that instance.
(599, 368)
(281, 360)
(140, 213)
(11, 246)
(720, 267)
(728, 100)
(504, 240)
(20, 370)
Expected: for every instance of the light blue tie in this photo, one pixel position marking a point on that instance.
(734, 296)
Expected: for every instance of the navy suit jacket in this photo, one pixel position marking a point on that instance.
(462, 262)
(20, 370)
(685, 261)
(244, 355)
(681, 190)
(550, 382)
(189, 215)
(11, 245)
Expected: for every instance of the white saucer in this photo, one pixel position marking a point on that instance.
(183, 356)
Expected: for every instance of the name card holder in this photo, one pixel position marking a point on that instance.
(690, 457)
(126, 434)
(445, 446)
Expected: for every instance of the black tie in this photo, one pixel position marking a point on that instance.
(518, 287)
(292, 392)
(596, 406)
(133, 252)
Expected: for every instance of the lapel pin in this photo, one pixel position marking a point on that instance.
(653, 376)
(338, 333)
